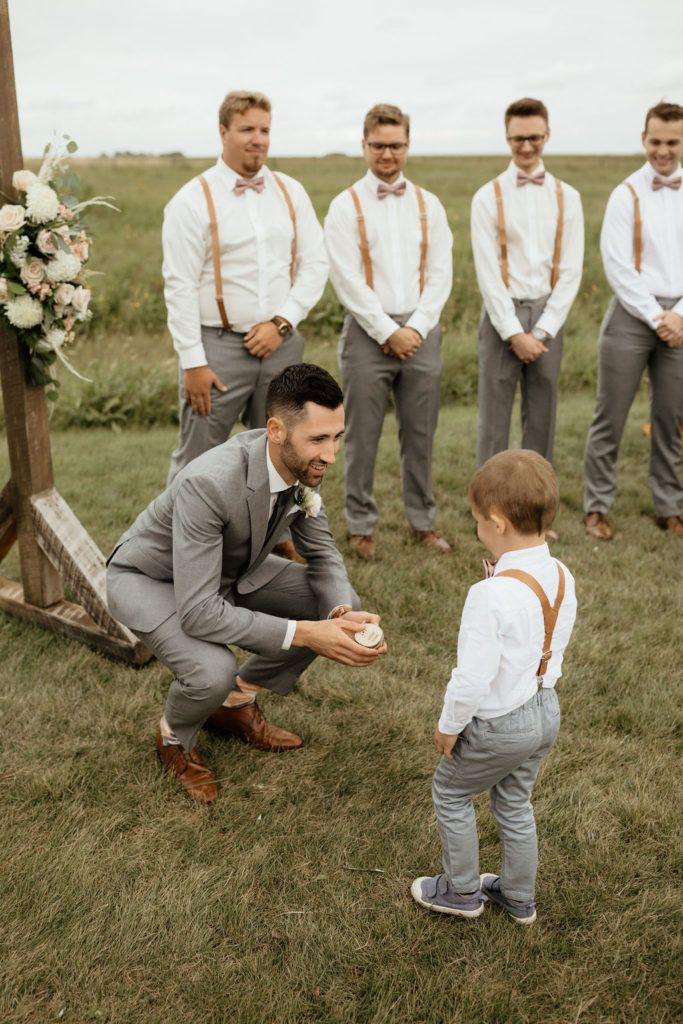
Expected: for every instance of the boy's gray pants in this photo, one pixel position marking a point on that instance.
(502, 755)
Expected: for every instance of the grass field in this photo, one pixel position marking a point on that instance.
(129, 355)
(288, 902)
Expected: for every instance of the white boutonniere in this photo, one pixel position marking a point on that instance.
(308, 500)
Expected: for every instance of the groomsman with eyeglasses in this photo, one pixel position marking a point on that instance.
(527, 239)
(244, 262)
(642, 252)
(389, 247)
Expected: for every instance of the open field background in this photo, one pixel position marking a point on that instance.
(288, 902)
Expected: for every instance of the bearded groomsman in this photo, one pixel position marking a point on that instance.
(642, 252)
(389, 247)
(244, 262)
(527, 239)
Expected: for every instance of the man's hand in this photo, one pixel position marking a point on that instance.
(263, 339)
(403, 343)
(444, 744)
(670, 329)
(526, 347)
(333, 638)
(198, 383)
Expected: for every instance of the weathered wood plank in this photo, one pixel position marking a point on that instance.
(76, 557)
(8, 525)
(72, 621)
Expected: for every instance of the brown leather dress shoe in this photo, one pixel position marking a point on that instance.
(287, 550)
(249, 724)
(194, 776)
(363, 544)
(673, 523)
(597, 525)
(433, 539)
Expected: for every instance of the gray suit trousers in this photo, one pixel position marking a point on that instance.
(499, 372)
(369, 377)
(627, 347)
(205, 672)
(246, 378)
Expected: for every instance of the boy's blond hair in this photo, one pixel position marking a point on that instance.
(240, 103)
(519, 484)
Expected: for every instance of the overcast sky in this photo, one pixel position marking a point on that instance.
(148, 76)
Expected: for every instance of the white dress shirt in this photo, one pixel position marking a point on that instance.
(501, 640)
(394, 237)
(276, 485)
(661, 271)
(255, 236)
(530, 225)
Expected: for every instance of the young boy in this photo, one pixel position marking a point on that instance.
(501, 715)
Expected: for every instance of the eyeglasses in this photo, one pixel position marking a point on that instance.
(519, 140)
(379, 147)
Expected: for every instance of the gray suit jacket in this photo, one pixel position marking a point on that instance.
(204, 538)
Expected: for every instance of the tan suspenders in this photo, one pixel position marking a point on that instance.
(502, 235)
(365, 247)
(215, 246)
(637, 228)
(550, 612)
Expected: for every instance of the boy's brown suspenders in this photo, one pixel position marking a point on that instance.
(365, 247)
(502, 234)
(215, 246)
(550, 612)
(637, 228)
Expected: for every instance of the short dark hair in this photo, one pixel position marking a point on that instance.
(526, 107)
(519, 484)
(385, 113)
(665, 112)
(301, 383)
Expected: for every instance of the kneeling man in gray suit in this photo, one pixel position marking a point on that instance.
(195, 574)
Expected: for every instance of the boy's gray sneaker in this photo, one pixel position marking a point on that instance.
(437, 894)
(519, 910)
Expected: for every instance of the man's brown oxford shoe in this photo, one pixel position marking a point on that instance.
(287, 550)
(249, 724)
(433, 539)
(597, 525)
(194, 776)
(673, 523)
(363, 544)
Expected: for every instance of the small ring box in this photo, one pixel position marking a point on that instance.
(370, 636)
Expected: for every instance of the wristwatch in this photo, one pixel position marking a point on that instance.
(283, 326)
(540, 335)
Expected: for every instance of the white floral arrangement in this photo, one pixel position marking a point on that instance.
(308, 500)
(44, 248)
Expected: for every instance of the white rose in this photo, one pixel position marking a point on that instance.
(42, 203)
(12, 218)
(80, 302)
(4, 290)
(63, 267)
(64, 294)
(46, 243)
(22, 179)
(24, 311)
(33, 271)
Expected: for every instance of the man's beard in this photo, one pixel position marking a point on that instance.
(296, 466)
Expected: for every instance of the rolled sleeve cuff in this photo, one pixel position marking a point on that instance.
(678, 308)
(510, 327)
(418, 321)
(449, 726)
(548, 324)
(292, 312)
(385, 328)
(289, 635)
(192, 356)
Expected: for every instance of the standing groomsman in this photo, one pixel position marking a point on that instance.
(527, 239)
(642, 252)
(244, 262)
(389, 247)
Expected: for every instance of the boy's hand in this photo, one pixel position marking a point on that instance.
(444, 744)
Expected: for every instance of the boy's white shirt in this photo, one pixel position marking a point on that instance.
(501, 640)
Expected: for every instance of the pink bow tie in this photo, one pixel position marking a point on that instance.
(489, 568)
(242, 184)
(384, 190)
(658, 183)
(524, 179)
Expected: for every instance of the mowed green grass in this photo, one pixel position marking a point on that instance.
(288, 901)
(128, 353)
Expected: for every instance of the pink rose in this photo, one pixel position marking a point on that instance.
(46, 243)
(12, 218)
(64, 294)
(33, 272)
(80, 249)
(65, 213)
(22, 179)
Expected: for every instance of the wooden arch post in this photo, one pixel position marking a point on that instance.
(54, 549)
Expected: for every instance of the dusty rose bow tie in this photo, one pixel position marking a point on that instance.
(535, 179)
(658, 183)
(384, 190)
(242, 184)
(489, 568)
